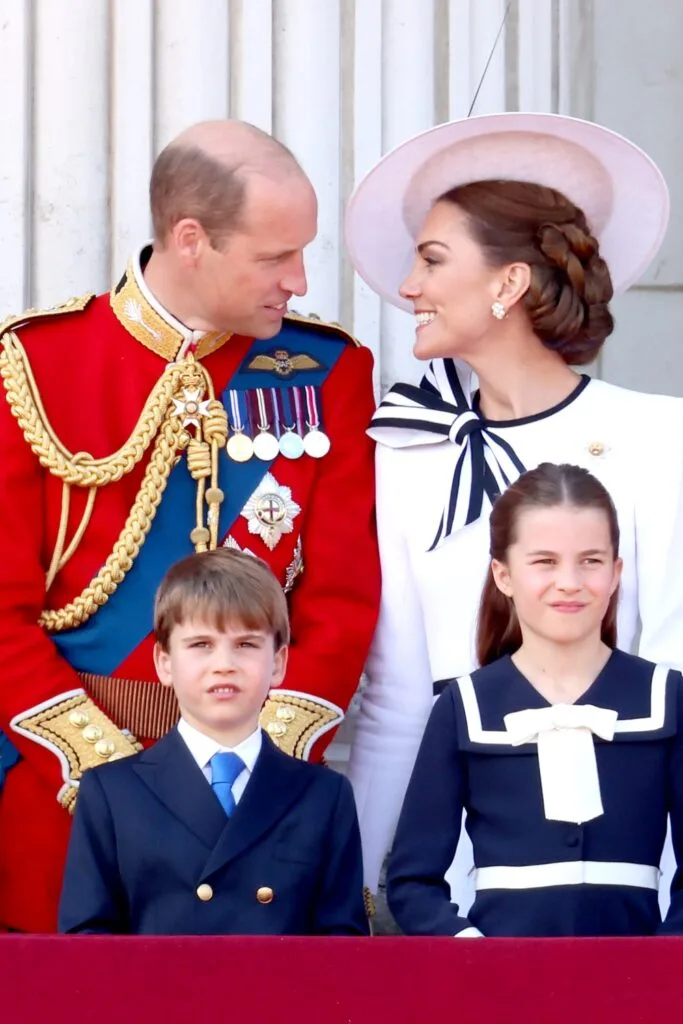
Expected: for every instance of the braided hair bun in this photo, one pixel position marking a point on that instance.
(567, 299)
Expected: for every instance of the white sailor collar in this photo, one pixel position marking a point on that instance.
(643, 695)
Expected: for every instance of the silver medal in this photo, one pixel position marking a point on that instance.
(266, 447)
(316, 443)
(291, 445)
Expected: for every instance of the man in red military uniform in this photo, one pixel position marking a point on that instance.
(185, 410)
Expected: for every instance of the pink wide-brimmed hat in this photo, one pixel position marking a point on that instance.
(619, 188)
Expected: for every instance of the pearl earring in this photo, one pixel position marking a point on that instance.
(498, 310)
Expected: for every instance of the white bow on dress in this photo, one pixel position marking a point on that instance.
(566, 755)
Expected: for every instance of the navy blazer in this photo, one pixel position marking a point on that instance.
(152, 852)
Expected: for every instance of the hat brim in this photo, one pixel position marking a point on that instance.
(620, 189)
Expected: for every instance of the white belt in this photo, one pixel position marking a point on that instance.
(570, 872)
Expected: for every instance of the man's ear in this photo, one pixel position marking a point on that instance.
(190, 240)
(162, 663)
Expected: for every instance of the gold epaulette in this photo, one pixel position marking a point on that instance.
(75, 305)
(294, 720)
(81, 736)
(330, 326)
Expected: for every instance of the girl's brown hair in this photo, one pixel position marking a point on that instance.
(498, 629)
(567, 300)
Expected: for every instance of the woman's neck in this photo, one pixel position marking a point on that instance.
(561, 672)
(518, 377)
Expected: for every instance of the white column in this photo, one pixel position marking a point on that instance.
(535, 50)
(367, 149)
(307, 119)
(251, 62)
(132, 119)
(191, 65)
(408, 108)
(15, 129)
(639, 92)
(473, 28)
(70, 154)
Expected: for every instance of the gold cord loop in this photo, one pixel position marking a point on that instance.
(162, 426)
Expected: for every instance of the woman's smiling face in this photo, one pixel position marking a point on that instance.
(451, 286)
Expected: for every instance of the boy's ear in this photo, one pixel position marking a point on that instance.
(279, 667)
(162, 663)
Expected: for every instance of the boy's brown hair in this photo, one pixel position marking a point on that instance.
(220, 588)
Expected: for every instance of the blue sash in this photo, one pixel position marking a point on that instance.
(102, 643)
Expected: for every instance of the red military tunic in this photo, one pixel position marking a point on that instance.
(94, 369)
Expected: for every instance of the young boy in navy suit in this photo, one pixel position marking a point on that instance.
(213, 830)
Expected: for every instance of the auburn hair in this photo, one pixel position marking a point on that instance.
(567, 299)
(221, 588)
(547, 486)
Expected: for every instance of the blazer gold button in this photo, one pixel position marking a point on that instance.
(265, 894)
(204, 892)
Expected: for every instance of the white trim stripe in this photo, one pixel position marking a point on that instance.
(469, 933)
(652, 723)
(657, 706)
(473, 718)
(571, 872)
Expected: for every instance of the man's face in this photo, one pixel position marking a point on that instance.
(244, 288)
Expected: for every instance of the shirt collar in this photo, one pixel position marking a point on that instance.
(143, 316)
(203, 747)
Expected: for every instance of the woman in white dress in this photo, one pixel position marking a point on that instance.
(506, 235)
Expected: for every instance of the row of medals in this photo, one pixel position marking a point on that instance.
(267, 446)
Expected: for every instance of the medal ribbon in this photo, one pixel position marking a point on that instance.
(298, 406)
(276, 406)
(288, 415)
(237, 411)
(313, 418)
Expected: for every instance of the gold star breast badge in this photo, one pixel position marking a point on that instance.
(270, 511)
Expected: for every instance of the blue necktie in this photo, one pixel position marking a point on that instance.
(224, 770)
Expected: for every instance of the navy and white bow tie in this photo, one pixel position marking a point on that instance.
(439, 411)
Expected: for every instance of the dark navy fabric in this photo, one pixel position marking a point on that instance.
(499, 786)
(148, 831)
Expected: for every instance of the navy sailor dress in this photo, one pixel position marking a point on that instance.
(496, 748)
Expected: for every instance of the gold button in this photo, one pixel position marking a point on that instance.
(204, 892)
(596, 448)
(276, 728)
(285, 714)
(104, 748)
(92, 733)
(79, 719)
(265, 894)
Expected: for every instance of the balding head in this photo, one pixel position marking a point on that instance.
(204, 173)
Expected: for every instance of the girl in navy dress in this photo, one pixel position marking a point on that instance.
(566, 753)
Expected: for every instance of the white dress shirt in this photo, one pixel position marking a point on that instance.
(202, 748)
